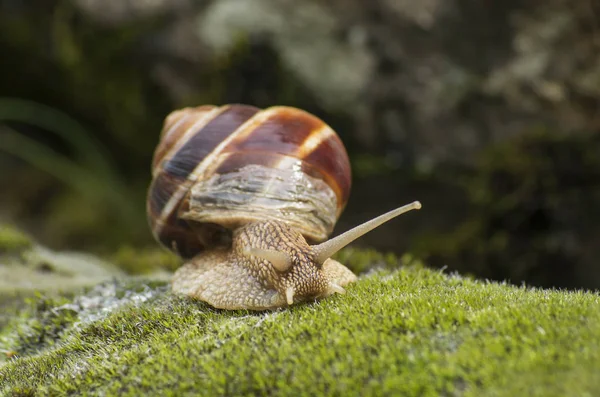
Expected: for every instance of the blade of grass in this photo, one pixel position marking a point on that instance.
(87, 149)
(72, 174)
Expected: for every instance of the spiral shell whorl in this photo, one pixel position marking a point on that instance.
(177, 124)
(206, 153)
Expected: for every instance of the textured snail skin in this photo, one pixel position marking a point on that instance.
(232, 279)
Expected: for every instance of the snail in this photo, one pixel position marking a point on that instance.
(247, 197)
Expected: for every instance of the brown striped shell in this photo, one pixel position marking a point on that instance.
(218, 168)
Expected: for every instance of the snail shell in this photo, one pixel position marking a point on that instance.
(218, 168)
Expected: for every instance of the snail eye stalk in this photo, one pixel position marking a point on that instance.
(325, 250)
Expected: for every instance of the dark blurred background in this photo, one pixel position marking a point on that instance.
(485, 110)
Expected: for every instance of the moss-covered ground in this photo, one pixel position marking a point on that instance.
(12, 240)
(411, 331)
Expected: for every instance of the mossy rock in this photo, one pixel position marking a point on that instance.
(27, 268)
(39, 268)
(411, 331)
(145, 260)
(13, 240)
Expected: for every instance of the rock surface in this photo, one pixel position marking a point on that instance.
(400, 329)
(411, 331)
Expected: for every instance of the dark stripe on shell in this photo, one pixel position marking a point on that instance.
(173, 233)
(161, 190)
(169, 136)
(283, 132)
(207, 138)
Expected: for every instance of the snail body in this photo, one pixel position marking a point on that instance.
(248, 197)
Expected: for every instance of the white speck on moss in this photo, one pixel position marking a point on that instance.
(104, 299)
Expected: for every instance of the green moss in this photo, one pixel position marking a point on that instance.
(27, 269)
(12, 240)
(361, 260)
(412, 331)
(142, 261)
(47, 318)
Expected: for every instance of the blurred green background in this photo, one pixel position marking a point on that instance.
(485, 111)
